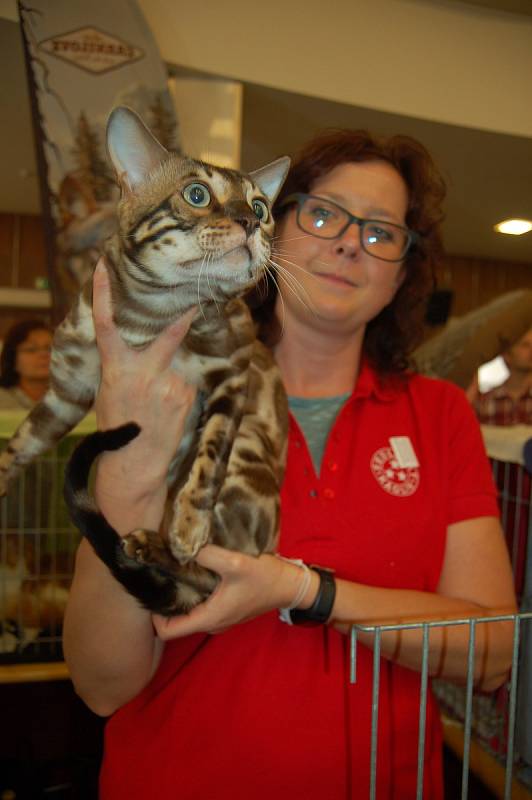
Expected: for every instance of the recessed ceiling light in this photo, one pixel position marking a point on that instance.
(514, 226)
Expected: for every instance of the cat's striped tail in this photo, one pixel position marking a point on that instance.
(82, 507)
(153, 584)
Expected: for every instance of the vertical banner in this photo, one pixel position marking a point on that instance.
(82, 60)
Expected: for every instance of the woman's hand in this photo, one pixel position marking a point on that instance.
(139, 385)
(249, 586)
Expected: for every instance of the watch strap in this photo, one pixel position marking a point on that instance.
(321, 609)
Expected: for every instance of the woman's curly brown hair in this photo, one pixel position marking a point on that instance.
(393, 334)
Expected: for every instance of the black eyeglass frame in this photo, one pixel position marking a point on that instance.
(300, 197)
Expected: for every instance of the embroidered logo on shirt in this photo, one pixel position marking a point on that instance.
(391, 476)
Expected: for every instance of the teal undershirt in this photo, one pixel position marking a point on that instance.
(315, 416)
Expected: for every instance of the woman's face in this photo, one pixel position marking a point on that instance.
(33, 356)
(341, 287)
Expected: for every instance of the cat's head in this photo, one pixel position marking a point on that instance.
(183, 221)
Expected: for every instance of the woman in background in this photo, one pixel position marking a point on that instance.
(25, 364)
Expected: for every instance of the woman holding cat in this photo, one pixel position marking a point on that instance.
(387, 484)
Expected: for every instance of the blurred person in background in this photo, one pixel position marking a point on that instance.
(25, 364)
(510, 403)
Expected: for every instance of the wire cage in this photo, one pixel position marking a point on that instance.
(37, 547)
(500, 723)
(502, 780)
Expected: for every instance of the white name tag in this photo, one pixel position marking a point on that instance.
(403, 451)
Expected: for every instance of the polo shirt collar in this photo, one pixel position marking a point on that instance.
(369, 384)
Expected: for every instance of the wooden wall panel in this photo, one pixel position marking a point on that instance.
(22, 251)
(22, 263)
(476, 281)
(32, 252)
(7, 223)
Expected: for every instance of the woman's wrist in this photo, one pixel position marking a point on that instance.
(132, 469)
(127, 497)
(314, 598)
(300, 584)
(312, 591)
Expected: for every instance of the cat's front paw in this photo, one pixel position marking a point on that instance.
(189, 531)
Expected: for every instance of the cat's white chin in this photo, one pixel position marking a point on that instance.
(236, 261)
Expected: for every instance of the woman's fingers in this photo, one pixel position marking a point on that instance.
(208, 616)
(200, 619)
(249, 586)
(165, 345)
(102, 309)
(221, 560)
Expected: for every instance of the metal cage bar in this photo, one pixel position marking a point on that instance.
(425, 626)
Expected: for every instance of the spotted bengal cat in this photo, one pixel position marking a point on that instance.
(190, 234)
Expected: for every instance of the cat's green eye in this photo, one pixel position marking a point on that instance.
(260, 209)
(197, 195)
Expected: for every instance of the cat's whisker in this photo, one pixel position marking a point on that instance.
(262, 285)
(290, 238)
(261, 282)
(297, 266)
(279, 251)
(210, 259)
(307, 272)
(294, 285)
(296, 288)
(271, 273)
(199, 278)
(290, 283)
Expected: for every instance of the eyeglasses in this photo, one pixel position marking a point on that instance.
(327, 220)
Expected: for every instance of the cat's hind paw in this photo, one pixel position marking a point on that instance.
(148, 547)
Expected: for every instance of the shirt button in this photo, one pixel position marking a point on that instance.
(333, 466)
(313, 493)
(328, 493)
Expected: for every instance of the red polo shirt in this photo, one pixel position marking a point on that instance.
(266, 710)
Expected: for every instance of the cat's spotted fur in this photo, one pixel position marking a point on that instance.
(189, 234)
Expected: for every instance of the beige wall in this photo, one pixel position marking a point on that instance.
(440, 60)
(434, 59)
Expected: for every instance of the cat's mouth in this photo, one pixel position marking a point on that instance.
(235, 257)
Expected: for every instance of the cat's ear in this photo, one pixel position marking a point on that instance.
(271, 177)
(133, 149)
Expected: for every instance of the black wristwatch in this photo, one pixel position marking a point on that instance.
(321, 609)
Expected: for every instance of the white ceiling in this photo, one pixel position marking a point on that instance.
(489, 174)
